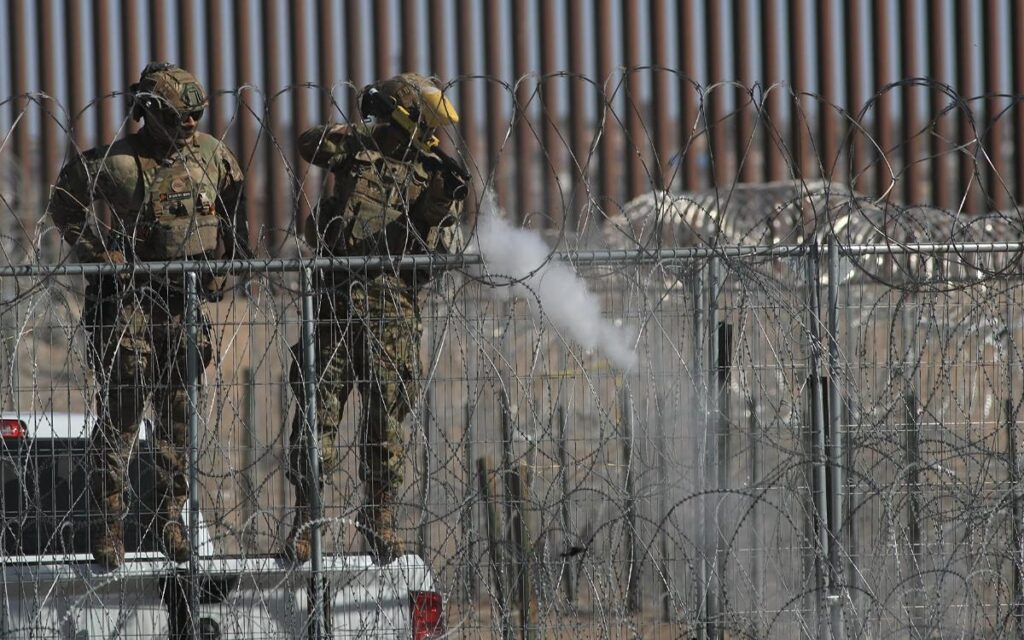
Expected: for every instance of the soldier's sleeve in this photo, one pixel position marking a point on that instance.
(320, 145)
(71, 211)
(231, 208)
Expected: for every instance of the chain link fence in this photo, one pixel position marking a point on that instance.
(750, 410)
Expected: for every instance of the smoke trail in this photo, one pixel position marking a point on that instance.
(556, 294)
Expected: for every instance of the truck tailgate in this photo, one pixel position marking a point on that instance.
(246, 597)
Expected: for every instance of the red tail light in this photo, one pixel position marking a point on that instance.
(12, 429)
(427, 615)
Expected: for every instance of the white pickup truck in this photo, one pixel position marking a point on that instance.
(51, 588)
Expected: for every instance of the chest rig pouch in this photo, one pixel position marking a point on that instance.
(178, 219)
(373, 192)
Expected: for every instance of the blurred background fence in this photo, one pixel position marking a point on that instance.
(566, 105)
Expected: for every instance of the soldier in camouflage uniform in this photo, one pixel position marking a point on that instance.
(174, 193)
(396, 194)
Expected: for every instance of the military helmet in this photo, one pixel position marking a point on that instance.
(421, 97)
(164, 86)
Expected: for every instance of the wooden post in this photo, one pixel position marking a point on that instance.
(494, 545)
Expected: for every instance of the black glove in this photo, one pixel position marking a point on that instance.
(456, 178)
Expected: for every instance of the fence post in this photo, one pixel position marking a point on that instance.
(632, 564)
(506, 458)
(563, 468)
(249, 458)
(700, 418)
(309, 384)
(835, 450)
(472, 590)
(428, 414)
(820, 481)
(723, 359)
(192, 374)
(519, 486)
(664, 576)
(494, 540)
(1015, 514)
(710, 452)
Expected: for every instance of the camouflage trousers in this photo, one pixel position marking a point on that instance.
(367, 342)
(137, 349)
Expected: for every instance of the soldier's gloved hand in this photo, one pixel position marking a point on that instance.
(455, 187)
(214, 287)
(113, 257)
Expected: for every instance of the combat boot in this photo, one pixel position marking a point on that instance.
(107, 545)
(298, 544)
(377, 522)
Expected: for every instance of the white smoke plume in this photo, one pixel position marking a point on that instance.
(557, 295)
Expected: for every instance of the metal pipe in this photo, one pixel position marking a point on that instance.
(836, 459)
(74, 57)
(966, 132)
(609, 155)
(636, 142)
(303, 187)
(1017, 55)
(997, 175)
(938, 44)
(854, 75)
(700, 417)
(410, 31)
(910, 107)
(437, 31)
(192, 374)
(819, 489)
(881, 65)
(381, 12)
(775, 165)
(469, 125)
(275, 209)
(186, 36)
(580, 258)
(579, 132)
(18, 56)
(523, 128)
(215, 49)
(828, 83)
(722, 173)
(552, 145)
(247, 137)
(496, 98)
(355, 58)
(50, 109)
(661, 72)
(159, 51)
(711, 583)
(104, 78)
(747, 170)
(309, 390)
(633, 562)
(325, 42)
(804, 157)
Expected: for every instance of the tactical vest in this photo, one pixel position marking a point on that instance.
(178, 218)
(368, 213)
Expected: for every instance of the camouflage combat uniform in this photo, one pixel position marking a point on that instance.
(387, 202)
(167, 201)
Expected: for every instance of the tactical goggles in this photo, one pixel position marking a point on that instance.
(173, 116)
